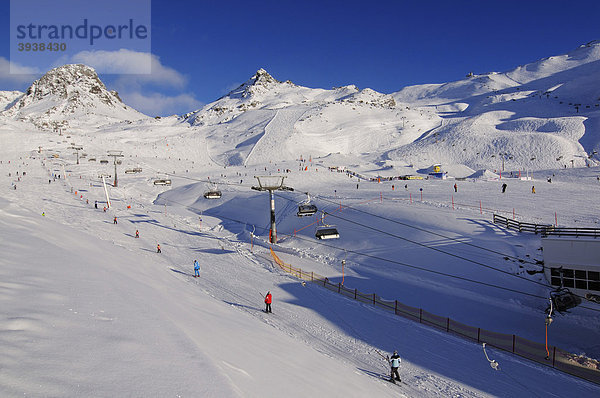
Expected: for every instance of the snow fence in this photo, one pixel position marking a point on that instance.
(564, 361)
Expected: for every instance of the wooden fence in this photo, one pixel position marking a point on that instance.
(545, 229)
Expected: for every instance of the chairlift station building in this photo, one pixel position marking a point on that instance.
(578, 259)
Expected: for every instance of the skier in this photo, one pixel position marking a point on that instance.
(196, 269)
(394, 364)
(158, 248)
(96, 204)
(533, 189)
(137, 233)
(115, 220)
(455, 188)
(503, 188)
(268, 300)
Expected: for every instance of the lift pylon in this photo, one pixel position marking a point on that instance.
(271, 184)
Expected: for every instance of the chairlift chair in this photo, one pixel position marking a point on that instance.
(327, 232)
(306, 208)
(564, 300)
(212, 194)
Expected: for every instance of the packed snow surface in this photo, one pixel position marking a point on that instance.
(90, 310)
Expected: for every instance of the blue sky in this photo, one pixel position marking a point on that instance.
(202, 49)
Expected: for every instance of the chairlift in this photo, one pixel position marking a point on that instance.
(563, 299)
(162, 182)
(306, 208)
(326, 231)
(212, 194)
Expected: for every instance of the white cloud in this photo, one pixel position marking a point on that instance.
(135, 67)
(14, 73)
(158, 104)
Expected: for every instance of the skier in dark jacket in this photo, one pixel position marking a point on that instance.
(394, 364)
(503, 188)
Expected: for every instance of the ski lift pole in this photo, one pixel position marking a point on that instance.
(548, 322)
(106, 192)
(343, 265)
(273, 224)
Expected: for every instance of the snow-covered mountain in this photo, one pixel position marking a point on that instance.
(428, 243)
(69, 96)
(7, 98)
(264, 119)
(541, 115)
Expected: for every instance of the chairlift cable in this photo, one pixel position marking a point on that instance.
(438, 250)
(312, 241)
(458, 240)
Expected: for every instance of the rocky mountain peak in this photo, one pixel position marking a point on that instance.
(66, 95)
(262, 77)
(63, 82)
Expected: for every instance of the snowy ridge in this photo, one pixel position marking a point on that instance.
(7, 98)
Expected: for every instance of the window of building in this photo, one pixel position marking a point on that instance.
(580, 279)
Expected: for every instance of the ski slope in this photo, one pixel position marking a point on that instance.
(93, 311)
(89, 310)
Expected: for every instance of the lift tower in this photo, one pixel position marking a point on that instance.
(271, 184)
(115, 155)
(77, 148)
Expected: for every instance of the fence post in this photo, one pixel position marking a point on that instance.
(373, 298)
(355, 293)
(396, 307)
(339, 287)
(478, 334)
(448, 324)
(325, 282)
(553, 356)
(312, 276)
(420, 315)
(514, 338)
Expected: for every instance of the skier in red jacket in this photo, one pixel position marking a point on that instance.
(268, 299)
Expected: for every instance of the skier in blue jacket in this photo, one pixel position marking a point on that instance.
(196, 269)
(395, 364)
